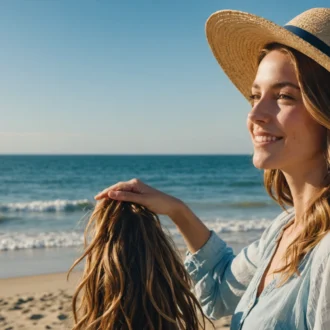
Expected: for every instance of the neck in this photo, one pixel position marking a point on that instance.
(304, 183)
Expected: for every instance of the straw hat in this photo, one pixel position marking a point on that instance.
(236, 39)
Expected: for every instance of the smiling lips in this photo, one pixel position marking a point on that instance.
(265, 138)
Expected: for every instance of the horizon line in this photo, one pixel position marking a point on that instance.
(128, 154)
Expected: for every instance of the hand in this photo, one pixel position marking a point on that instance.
(138, 192)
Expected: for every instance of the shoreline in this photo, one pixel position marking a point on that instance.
(34, 262)
(44, 302)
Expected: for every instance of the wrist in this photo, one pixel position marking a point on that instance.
(178, 211)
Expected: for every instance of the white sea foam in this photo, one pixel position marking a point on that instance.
(47, 206)
(17, 241)
(220, 226)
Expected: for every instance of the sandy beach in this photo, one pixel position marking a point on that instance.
(44, 302)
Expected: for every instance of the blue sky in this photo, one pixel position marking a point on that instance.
(120, 77)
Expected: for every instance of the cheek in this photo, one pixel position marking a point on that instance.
(291, 124)
(302, 130)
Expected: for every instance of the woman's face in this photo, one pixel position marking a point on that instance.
(283, 133)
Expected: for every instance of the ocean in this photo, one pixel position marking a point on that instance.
(45, 201)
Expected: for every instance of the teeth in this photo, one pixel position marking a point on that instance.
(260, 138)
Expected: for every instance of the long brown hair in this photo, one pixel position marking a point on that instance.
(314, 82)
(133, 278)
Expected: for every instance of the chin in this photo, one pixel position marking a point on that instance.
(264, 161)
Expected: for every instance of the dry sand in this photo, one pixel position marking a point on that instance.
(43, 302)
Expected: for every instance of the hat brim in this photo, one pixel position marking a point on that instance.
(236, 39)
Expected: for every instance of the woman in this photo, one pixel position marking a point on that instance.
(281, 281)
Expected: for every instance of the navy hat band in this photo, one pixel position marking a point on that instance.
(310, 38)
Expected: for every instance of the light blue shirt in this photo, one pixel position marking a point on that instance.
(226, 284)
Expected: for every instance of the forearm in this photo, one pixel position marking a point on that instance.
(193, 230)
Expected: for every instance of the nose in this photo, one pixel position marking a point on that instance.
(260, 112)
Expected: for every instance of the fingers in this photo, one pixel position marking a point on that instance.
(126, 186)
(125, 196)
(102, 194)
(117, 186)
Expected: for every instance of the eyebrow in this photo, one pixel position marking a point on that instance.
(279, 85)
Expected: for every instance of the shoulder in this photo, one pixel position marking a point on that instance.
(321, 253)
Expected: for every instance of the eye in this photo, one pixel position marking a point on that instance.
(253, 98)
(285, 97)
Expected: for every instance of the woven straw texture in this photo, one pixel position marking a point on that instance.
(236, 39)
